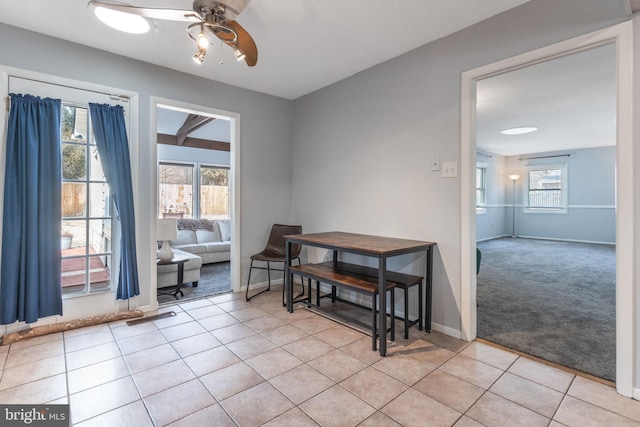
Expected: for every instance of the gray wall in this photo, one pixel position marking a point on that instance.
(494, 222)
(265, 130)
(591, 187)
(362, 146)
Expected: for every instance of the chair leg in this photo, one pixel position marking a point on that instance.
(247, 297)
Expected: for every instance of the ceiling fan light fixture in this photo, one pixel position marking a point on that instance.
(520, 130)
(238, 53)
(199, 56)
(202, 40)
(122, 21)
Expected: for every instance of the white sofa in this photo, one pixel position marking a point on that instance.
(209, 239)
(203, 241)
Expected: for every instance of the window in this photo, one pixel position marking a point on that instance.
(193, 190)
(175, 188)
(546, 189)
(214, 192)
(481, 188)
(86, 208)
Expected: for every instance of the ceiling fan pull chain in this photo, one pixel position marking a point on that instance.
(221, 60)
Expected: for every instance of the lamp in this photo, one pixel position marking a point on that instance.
(514, 178)
(167, 229)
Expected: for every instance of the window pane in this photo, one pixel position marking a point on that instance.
(74, 275)
(74, 195)
(98, 200)
(99, 272)
(95, 167)
(214, 193)
(74, 161)
(175, 188)
(77, 231)
(74, 124)
(99, 236)
(545, 179)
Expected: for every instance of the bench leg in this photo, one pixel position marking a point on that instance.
(421, 307)
(393, 315)
(333, 293)
(406, 313)
(374, 323)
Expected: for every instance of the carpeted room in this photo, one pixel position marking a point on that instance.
(550, 292)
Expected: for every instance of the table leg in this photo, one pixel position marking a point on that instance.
(382, 297)
(180, 280)
(429, 289)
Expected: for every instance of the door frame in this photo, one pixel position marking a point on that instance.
(234, 176)
(622, 36)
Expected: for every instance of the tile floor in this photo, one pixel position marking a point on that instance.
(224, 362)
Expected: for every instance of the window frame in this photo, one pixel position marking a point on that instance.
(564, 192)
(481, 208)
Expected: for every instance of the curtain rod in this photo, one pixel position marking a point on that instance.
(482, 153)
(110, 95)
(544, 157)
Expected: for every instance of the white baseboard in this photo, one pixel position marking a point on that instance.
(635, 394)
(446, 330)
(566, 240)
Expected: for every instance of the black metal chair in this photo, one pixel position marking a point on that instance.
(275, 251)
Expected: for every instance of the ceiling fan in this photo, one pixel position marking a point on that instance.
(207, 17)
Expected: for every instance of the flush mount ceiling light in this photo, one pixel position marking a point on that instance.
(521, 130)
(122, 21)
(207, 18)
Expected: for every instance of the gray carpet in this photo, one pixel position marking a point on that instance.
(553, 300)
(214, 279)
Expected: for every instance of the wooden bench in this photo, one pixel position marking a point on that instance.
(353, 280)
(399, 280)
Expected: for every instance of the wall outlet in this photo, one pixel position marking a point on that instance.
(435, 164)
(450, 169)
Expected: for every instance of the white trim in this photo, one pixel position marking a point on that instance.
(234, 177)
(555, 239)
(445, 330)
(622, 35)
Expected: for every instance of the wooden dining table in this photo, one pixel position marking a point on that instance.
(381, 248)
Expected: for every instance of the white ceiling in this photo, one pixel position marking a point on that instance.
(303, 45)
(572, 101)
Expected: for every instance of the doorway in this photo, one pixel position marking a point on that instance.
(197, 185)
(547, 235)
(621, 36)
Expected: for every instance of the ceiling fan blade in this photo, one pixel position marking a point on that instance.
(151, 13)
(245, 43)
(234, 7)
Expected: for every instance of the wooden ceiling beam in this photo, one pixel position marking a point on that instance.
(191, 123)
(194, 142)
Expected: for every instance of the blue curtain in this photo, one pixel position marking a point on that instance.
(30, 271)
(113, 147)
